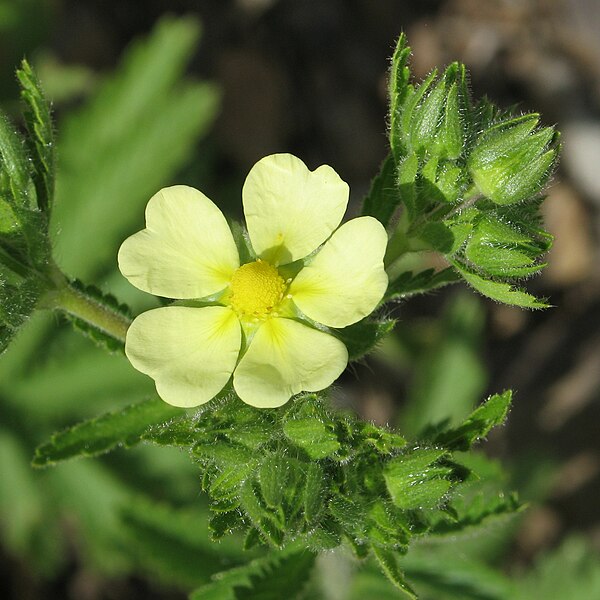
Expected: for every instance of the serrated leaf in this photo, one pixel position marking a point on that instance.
(41, 135)
(414, 480)
(363, 336)
(276, 576)
(389, 565)
(313, 436)
(90, 438)
(179, 432)
(490, 414)
(475, 511)
(499, 291)
(409, 283)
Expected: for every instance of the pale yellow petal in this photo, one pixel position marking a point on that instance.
(186, 251)
(346, 279)
(284, 358)
(189, 352)
(290, 210)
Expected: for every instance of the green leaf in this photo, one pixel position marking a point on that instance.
(274, 478)
(275, 576)
(475, 511)
(41, 135)
(125, 143)
(313, 436)
(384, 196)
(414, 480)
(313, 494)
(499, 291)
(409, 283)
(389, 565)
(491, 413)
(90, 438)
(363, 336)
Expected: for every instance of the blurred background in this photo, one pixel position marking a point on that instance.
(154, 93)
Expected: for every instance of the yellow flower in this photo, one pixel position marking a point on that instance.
(250, 321)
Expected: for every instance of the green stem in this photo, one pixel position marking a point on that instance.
(64, 297)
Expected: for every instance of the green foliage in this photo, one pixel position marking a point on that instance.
(277, 575)
(363, 336)
(41, 135)
(101, 303)
(172, 545)
(50, 377)
(500, 154)
(491, 413)
(449, 374)
(305, 474)
(469, 180)
(570, 571)
(26, 176)
(129, 139)
(408, 283)
(124, 427)
(291, 481)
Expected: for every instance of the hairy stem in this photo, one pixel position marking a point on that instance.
(66, 298)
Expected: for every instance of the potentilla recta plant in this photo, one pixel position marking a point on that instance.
(259, 320)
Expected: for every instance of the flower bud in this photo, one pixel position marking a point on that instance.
(436, 126)
(512, 160)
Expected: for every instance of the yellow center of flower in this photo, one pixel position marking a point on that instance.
(256, 290)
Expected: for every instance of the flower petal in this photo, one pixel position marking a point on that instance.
(346, 280)
(290, 210)
(186, 250)
(286, 357)
(189, 352)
